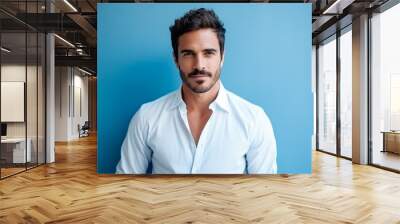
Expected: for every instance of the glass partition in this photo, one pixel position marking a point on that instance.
(13, 104)
(22, 89)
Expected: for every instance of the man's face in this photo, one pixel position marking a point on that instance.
(199, 59)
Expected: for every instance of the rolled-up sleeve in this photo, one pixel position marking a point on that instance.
(135, 154)
(261, 157)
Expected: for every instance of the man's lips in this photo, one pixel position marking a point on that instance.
(198, 76)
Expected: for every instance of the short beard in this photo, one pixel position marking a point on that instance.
(199, 88)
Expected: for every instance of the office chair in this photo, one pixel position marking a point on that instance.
(84, 130)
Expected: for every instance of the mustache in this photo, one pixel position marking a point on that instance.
(196, 72)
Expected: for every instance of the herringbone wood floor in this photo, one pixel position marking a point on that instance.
(70, 191)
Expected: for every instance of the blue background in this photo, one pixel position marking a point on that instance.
(267, 61)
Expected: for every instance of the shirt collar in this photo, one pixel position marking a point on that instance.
(221, 101)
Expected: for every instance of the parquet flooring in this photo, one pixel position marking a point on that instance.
(70, 191)
(10, 171)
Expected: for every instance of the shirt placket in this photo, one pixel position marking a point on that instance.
(198, 156)
(197, 151)
(183, 114)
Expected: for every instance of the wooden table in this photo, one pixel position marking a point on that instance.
(13, 150)
(391, 141)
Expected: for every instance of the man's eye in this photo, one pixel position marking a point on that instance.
(209, 53)
(187, 54)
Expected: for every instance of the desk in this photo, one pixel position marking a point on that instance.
(391, 141)
(15, 148)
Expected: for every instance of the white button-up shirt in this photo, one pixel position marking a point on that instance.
(238, 138)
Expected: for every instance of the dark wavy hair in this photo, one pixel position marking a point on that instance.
(194, 20)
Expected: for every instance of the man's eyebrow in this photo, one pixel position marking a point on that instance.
(210, 50)
(186, 51)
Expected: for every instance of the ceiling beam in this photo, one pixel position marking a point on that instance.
(83, 61)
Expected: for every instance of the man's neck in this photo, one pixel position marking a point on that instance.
(199, 101)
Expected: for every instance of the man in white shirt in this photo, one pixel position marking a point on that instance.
(201, 128)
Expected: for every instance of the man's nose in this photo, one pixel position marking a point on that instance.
(199, 63)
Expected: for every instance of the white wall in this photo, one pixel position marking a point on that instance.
(12, 73)
(80, 103)
(16, 72)
(70, 83)
(62, 81)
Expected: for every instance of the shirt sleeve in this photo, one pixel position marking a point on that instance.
(135, 154)
(261, 157)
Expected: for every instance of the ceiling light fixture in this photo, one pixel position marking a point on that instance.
(70, 5)
(64, 40)
(331, 7)
(84, 71)
(337, 7)
(5, 50)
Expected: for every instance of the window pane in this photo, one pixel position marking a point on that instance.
(346, 93)
(327, 96)
(386, 89)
